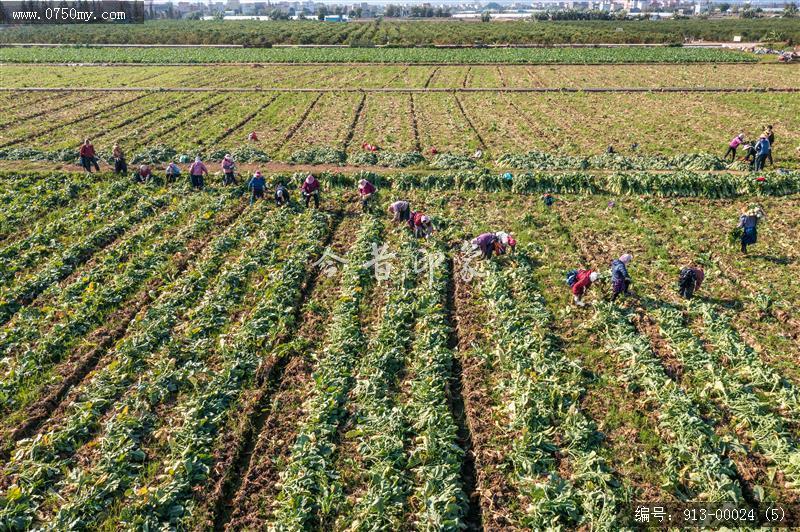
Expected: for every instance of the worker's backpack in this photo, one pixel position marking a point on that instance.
(572, 277)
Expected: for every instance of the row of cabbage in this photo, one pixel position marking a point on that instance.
(43, 335)
(163, 350)
(668, 184)
(35, 54)
(672, 184)
(544, 389)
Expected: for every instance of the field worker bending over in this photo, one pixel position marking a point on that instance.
(228, 170)
(690, 279)
(281, 195)
(172, 172)
(252, 137)
(733, 146)
(256, 185)
(579, 282)
(504, 242)
(366, 191)
(486, 243)
(748, 222)
(310, 190)
(420, 224)
(196, 173)
(143, 174)
(620, 280)
(400, 211)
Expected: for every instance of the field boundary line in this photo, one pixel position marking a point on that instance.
(243, 122)
(297, 125)
(414, 125)
(399, 63)
(469, 121)
(351, 131)
(431, 76)
(151, 90)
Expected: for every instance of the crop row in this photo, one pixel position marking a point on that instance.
(438, 500)
(27, 288)
(735, 391)
(180, 367)
(544, 389)
(374, 55)
(35, 462)
(29, 198)
(310, 487)
(379, 425)
(19, 256)
(391, 76)
(696, 463)
(668, 185)
(190, 455)
(419, 32)
(46, 336)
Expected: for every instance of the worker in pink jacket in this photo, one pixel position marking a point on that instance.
(196, 173)
(734, 144)
(310, 189)
(228, 170)
(366, 191)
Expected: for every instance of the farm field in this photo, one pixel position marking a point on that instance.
(175, 359)
(573, 124)
(188, 360)
(398, 77)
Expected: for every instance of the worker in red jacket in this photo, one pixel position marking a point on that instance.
(366, 192)
(310, 189)
(583, 281)
(88, 156)
(420, 224)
